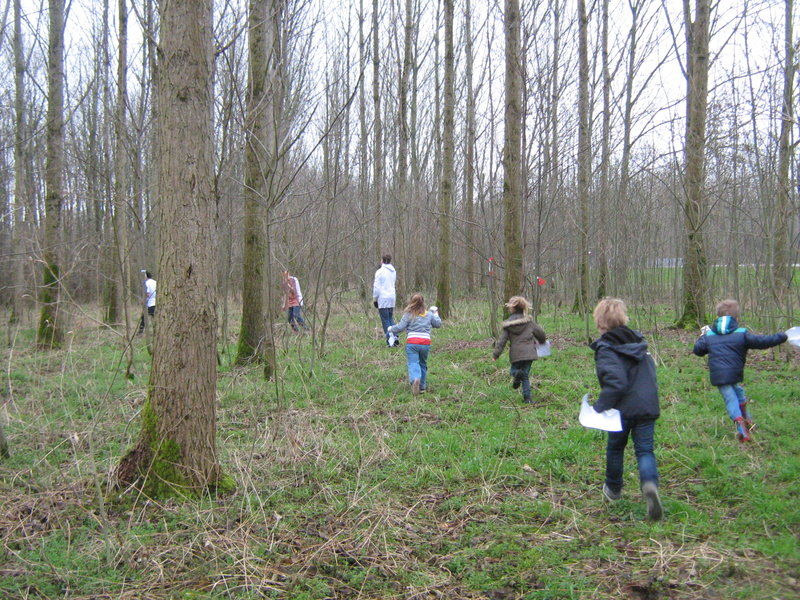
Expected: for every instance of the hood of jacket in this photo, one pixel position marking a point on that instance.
(624, 341)
(388, 267)
(724, 325)
(516, 321)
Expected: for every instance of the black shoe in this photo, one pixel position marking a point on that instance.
(610, 494)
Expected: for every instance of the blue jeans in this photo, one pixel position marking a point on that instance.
(521, 369)
(296, 317)
(643, 431)
(733, 396)
(417, 357)
(387, 320)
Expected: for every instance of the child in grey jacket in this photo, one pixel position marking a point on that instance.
(418, 322)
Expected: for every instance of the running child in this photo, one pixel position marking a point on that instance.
(627, 376)
(524, 335)
(418, 321)
(726, 345)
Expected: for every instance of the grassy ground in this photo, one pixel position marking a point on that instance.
(349, 487)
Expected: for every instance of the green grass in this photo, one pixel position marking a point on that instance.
(348, 486)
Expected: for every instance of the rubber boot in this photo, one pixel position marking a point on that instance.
(742, 433)
(748, 422)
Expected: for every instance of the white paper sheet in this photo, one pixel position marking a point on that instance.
(543, 349)
(794, 336)
(608, 420)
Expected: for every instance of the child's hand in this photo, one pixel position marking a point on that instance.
(704, 329)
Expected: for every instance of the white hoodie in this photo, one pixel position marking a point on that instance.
(383, 286)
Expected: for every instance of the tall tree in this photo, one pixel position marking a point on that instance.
(584, 160)
(122, 254)
(782, 271)
(176, 451)
(512, 184)
(50, 332)
(403, 186)
(605, 158)
(448, 164)
(21, 189)
(697, 63)
(377, 142)
(252, 332)
(469, 150)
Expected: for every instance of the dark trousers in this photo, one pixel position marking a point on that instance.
(521, 369)
(151, 312)
(643, 432)
(296, 317)
(387, 319)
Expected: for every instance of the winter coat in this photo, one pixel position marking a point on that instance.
(383, 286)
(524, 334)
(726, 345)
(418, 326)
(627, 374)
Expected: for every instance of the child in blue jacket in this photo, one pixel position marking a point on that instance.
(726, 345)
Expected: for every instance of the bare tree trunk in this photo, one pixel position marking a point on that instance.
(605, 160)
(448, 165)
(121, 181)
(252, 332)
(584, 160)
(469, 158)
(695, 263)
(176, 452)
(363, 179)
(781, 267)
(377, 142)
(402, 177)
(50, 333)
(21, 190)
(512, 191)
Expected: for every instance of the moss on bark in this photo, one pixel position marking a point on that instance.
(154, 465)
(49, 335)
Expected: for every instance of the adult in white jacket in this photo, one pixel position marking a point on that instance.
(383, 293)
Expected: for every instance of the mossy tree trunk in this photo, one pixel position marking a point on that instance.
(695, 263)
(50, 333)
(448, 162)
(512, 188)
(252, 331)
(176, 452)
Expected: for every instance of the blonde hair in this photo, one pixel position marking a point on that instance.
(728, 308)
(518, 304)
(610, 313)
(416, 305)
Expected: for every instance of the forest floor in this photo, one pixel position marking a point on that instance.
(350, 487)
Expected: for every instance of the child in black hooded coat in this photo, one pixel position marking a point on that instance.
(627, 377)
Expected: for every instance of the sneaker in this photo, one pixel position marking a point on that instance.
(415, 387)
(610, 494)
(528, 400)
(654, 509)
